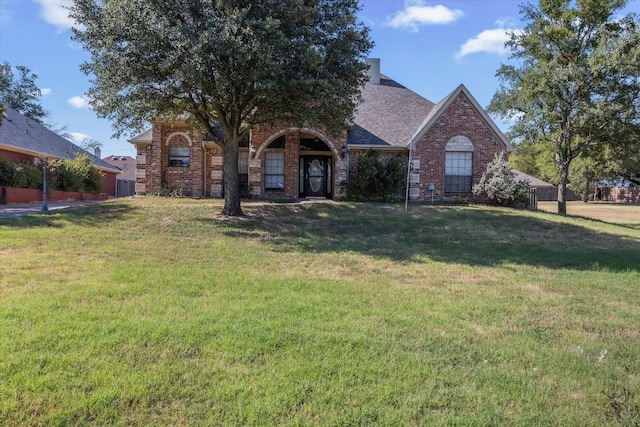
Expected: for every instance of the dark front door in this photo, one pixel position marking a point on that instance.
(316, 176)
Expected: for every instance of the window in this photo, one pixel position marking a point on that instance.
(458, 172)
(179, 157)
(274, 171)
(243, 169)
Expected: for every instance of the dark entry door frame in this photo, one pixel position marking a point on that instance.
(315, 176)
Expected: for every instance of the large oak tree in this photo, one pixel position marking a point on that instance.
(228, 63)
(576, 84)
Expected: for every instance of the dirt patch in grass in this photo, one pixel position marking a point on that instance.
(614, 213)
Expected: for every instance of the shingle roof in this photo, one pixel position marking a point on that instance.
(533, 181)
(127, 164)
(392, 115)
(144, 137)
(28, 136)
(389, 114)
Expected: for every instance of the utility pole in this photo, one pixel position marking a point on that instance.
(45, 207)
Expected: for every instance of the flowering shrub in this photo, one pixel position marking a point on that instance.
(498, 184)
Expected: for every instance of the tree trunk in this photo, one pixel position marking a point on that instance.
(587, 190)
(231, 183)
(562, 188)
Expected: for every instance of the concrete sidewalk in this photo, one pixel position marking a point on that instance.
(17, 209)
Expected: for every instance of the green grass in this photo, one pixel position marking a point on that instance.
(158, 312)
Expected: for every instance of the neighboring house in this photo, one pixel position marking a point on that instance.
(125, 184)
(451, 144)
(544, 190)
(24, 139)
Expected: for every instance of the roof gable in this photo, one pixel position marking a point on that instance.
(444, 104)
(145, 137)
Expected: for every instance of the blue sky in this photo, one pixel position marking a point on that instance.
(428, 46)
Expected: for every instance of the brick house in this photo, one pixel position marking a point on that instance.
(449, 144)
(25, 140)
(125, 184)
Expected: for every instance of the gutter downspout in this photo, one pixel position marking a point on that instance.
(204, 170)
(406, 198)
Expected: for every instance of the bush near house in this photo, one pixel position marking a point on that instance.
(78, 175)
(498, 184)
(7, 172)
(374, 179)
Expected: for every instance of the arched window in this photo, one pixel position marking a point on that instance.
(179, 150)
(458, 165)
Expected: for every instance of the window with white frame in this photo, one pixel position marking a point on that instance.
(243, 169)
(179, 157)
(458, 165)
(274, 170)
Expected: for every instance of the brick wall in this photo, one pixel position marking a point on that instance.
(15, 157)
(428, 157)
(31, 195)
(619, 195)
(207, 179)
(261, 137)
(187, 180)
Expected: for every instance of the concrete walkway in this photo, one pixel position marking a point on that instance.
(17, 209)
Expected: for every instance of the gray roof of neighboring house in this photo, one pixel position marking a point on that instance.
(30, 137)
(533, 181)
(127, 164)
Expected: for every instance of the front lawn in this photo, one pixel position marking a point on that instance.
(158, 312)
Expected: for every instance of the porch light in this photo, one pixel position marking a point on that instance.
(253, 151)
(344, 151)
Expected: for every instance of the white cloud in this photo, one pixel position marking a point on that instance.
(506, 22)
(45, 91)
(488, 41)
(79, 101)
(416, 13)
(54, 12)
(78, 137)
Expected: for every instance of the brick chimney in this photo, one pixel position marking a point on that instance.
(374, 70)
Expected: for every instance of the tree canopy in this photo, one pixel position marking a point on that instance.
(576, 84)
(233, 64)
(20, 92)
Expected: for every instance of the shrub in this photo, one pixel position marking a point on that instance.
(28, 176)
(78, 174)
(373, 179)
(498, 184)
(7, 172)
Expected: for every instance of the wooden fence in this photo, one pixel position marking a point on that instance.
(125, 188)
